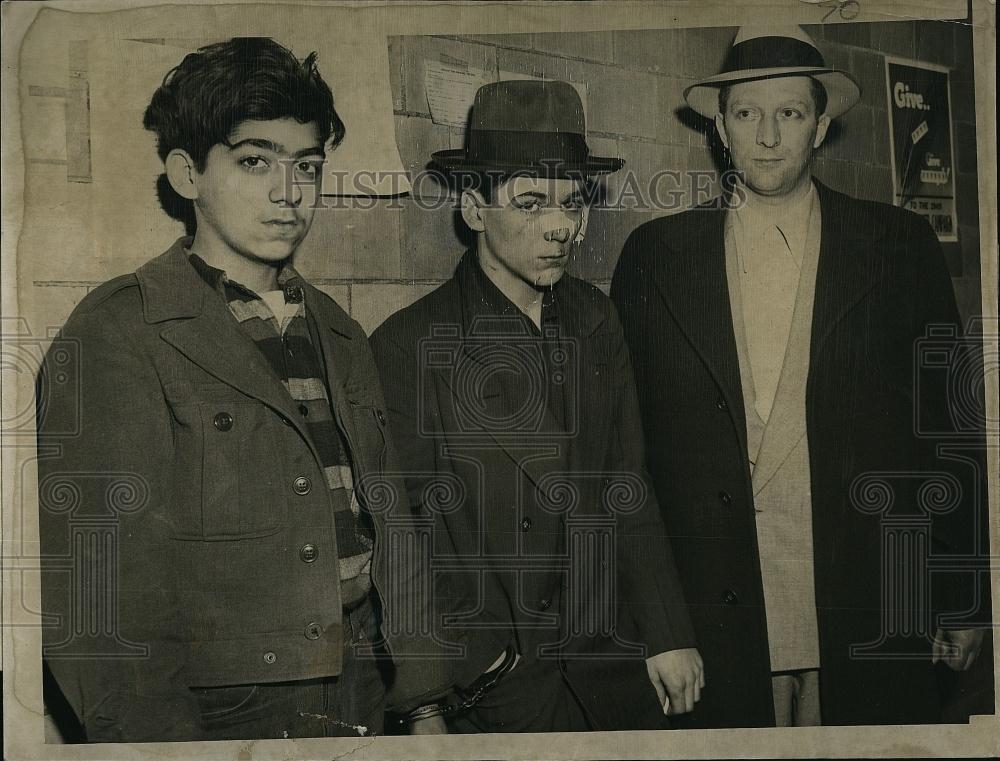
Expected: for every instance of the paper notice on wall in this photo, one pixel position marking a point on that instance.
(920, 132)
(451, 88)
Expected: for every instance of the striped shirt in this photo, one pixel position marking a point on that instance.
(289, 351)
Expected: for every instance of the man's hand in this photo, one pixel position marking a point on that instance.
(433, 725)
(963, 645)
(678, 677)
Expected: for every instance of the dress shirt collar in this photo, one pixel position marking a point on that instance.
(792, 220)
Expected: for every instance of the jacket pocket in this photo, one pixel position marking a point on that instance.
(229, 468)
(241, 490)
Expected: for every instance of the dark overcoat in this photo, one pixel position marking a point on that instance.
(494, 470)
(879, 413)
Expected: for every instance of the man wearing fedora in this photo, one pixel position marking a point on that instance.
(513, 409)
(773, 333)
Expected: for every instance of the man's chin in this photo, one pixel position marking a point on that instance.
(549, 277)
(768, 186)
(273, 252)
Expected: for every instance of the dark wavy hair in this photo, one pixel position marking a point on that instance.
(212, 91)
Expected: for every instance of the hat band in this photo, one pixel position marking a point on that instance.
(511, 147)
(772, 53)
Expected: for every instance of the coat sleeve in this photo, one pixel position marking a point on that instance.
(649, 575)
(950, 420)
(115, 641)
(433, 671)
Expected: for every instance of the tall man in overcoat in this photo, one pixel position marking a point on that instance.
(512, 405)
(775, 334)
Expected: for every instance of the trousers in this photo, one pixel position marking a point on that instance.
(350, 704)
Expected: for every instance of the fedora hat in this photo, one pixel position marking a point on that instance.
(527, 126)
(768, 53)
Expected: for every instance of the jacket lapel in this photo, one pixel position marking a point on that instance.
(331, 333)
(586, 388)
(507, 391)
(786, 424)
(200, 326)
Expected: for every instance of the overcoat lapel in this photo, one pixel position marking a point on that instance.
(690, 275)
(847, 268)
(845, 273)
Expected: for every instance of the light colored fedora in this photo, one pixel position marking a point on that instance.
(768, 53)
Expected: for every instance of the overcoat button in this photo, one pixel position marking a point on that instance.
(725, 498)
(721, 403)
(223, 421)
(729, 597)
(381, 417)
(545, 604)
(270, 657)
(313, 630)
(308, 553)
(302, 485)
(525, 524)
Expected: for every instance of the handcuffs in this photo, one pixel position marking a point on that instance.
(468, 697)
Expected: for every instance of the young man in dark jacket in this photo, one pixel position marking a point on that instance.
(208, 552)
(513, 409)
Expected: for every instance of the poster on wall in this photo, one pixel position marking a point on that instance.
(923, 174)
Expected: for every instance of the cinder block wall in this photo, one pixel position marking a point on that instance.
(376, 260)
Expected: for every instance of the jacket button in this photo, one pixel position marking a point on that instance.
(270, 657)
(381, 417)
(725, 498)
(285, 420)
(721, 404)
(729, 597)
(303, 410)
(223, 421)
(313, 630)
(302, 485)
(308, 553)
(525, 524)
(545, 604)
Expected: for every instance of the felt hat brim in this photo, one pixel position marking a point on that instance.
(842, 92)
